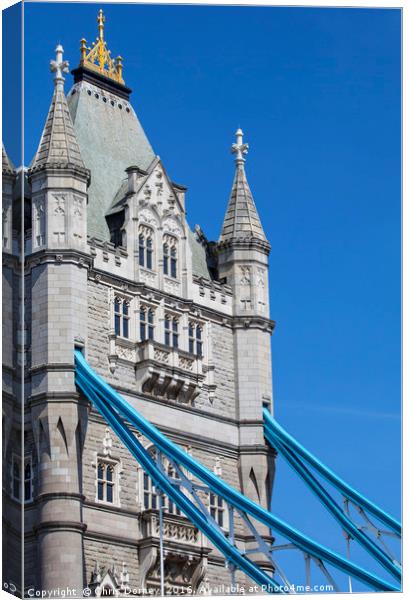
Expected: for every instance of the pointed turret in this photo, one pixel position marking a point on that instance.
(7, 165)
(241, 220)
(59, 202)
(243, 265)
(58, 145)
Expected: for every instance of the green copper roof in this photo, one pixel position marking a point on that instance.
(110, 139)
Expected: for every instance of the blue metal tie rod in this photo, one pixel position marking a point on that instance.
(184, 504)
(330, 476)
(84, 373)
(380, 556)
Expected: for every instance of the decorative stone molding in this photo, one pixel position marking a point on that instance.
(168, 373)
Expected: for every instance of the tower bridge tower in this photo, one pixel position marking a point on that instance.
(113, 267)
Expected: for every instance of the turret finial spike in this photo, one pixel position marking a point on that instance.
(239, 148)
(101, 23)
(59, 66)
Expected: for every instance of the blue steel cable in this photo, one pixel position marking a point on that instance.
(232, 553)
(329, 475)
(380, 556)
(220, 488)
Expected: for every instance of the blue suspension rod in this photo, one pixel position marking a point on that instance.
(220, 488)
(380, 556)
(329, 475)
(184, 504)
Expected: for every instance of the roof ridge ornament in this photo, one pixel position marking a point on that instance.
(98, 58)
(239, 148)
(59, 66)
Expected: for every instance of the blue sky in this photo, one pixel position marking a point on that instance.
(317, 93)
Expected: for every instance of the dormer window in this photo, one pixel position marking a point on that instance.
(171, 331)
(146, 323)
(145, 247)
(170, 256)
(195, 339)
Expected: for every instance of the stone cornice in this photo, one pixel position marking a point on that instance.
(60, 169)
(74, 526)
(58, 256)
(123, 284)
(253, 322)
(244, 244)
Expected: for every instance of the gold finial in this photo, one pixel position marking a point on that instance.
(101, 24)
(98, 58)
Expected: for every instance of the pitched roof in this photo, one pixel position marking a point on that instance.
(58, 145)
(241, 219)
(111, 139)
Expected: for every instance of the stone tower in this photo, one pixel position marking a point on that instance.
(177, 324)
(57, 267)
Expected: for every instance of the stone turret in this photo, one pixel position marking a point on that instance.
(243, 264)
(58, 265)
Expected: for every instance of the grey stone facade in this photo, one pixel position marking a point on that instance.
(112, 267)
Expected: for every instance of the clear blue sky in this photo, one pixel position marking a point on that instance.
(317, 93)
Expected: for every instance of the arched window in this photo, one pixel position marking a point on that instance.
(195, 339)
(150, 496)
(217, 509)
(142, 249)
(149, 253)
(106, 482)
(166, 257)
(170, 256)
(146, 323)
(121, 312)
(145, 247)
(171, 331)
(173, 262)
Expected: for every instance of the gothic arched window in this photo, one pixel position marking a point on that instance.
(121, 313)
(146, 247)
(146, 323)
(173, 262)
(150, 496)
(106, 481)
(170, 256)
(195, 339)
(171, 331)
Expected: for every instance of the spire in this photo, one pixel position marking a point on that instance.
(7, 165)
(98, 58)
(58, 146)
(241, 220)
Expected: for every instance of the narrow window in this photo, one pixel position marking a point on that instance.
(166, 258)
(167, 330)
(171, 331)
(150, 319)
(141, 250)
(173, 262)
(28, 481)
(16, 478)
(117, 316)
(142, 324)
(175, 333)
(199, 343)
(191, 344)
(149, 253)
(125, 311)
(217, 509)
(105, 482)
(121, 311)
